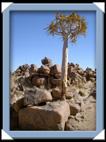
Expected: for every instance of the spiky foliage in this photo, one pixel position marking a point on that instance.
(68, 26)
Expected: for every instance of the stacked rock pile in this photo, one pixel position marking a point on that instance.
(36, 95)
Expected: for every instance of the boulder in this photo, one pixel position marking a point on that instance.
(27, 74)
(32, 69)
(44, 70)
(55, 82)
(24, 67)
(18, 105)
(13, 119)
(56, 93)
(36, 96)
(38, 81)
(16, 96)
(81, 72)
(83, 92)
(57, 75)
(51, 116)
(17, 100)
(73, 75)
(71, 92)
(46, 61)
(55, 69)
(84, 121)
(74, 108)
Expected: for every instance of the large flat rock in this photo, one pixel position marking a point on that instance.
(51, 116)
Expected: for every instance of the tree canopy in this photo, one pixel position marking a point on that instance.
(68, 26)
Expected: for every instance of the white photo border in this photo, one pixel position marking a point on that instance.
(99, 72)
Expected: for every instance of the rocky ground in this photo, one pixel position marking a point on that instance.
(35, 98)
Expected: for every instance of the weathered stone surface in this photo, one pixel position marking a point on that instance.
(38, 81)
(71, 92)
(48, 117)
(24, 67)
(46, 61)
(36, 96)
(17, 100)
(74, 108)
(56, 82)
(44, 70)
(84, 121)
(18, 105)
(13, 119)
(55, 69)
(83, 92)
(57, 75)
(56, 93)
(16, 96)
(33, 69)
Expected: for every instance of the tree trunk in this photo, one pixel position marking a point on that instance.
(64, 68)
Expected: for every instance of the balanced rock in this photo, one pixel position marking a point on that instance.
(36, 96)
(46, 61)
(51, 116)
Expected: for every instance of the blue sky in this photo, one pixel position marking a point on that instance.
(30, 42)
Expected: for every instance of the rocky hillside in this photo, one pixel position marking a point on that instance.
(35, 98)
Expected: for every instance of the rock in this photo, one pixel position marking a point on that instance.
(16, 96)
(38, 81)
(84, 121)
(93, 93)
(27, 74)
(55, 82)
(77, 66)
(20, 87)
(90, 74)
(92, 79)
(73, 75)
(74, 109)
(44, 70)
(57, 75)
(83, 92)
(56, 69)
(18, 105)
(46, 61)
(13, 119)
(80, 72)
(17, 100)
(71, 65)
(51, 116)
(71, 92)
(32, 69)
(36, 96)
(18, 72)
(56, 93)
(24, 67)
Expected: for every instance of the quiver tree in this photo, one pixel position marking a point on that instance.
(68, 27)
